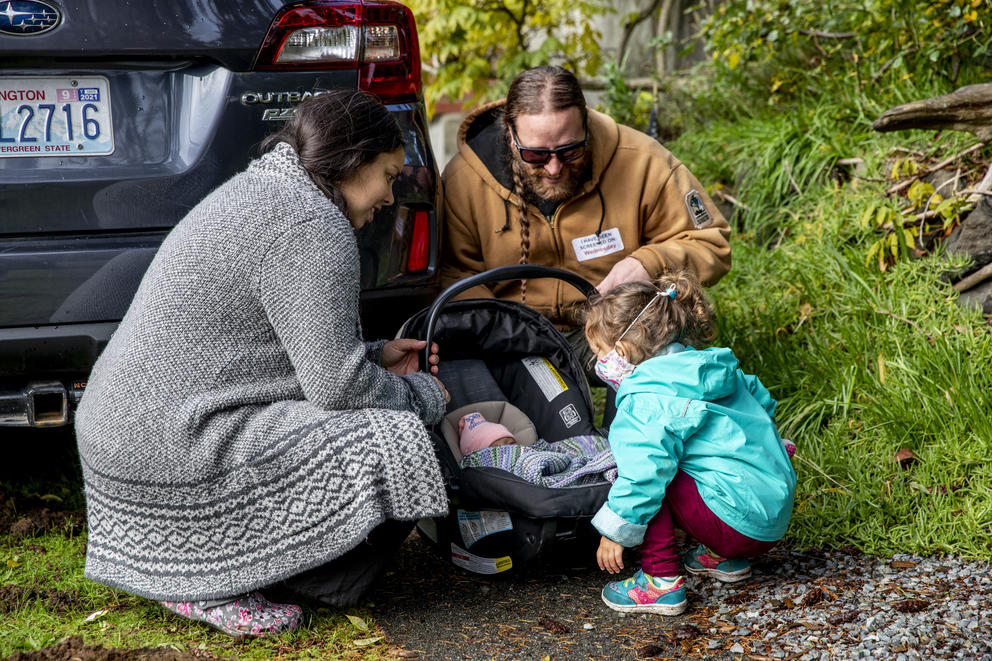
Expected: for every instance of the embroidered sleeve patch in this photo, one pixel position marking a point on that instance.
(697, 210)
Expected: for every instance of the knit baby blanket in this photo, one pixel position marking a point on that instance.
(575, 461)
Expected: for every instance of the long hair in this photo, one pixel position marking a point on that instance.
(335, 133)
(687, 318)
(537, 90)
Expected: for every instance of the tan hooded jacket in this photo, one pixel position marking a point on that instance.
(640, 198)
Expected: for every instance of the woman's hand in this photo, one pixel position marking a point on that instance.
(609, 555)
(403, 356)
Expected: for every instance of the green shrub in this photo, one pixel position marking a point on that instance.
(857, 54)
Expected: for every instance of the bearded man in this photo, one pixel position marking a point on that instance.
(540, 178)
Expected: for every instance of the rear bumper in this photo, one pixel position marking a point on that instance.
(44, 370)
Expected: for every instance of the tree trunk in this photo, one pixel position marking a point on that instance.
(965, 109)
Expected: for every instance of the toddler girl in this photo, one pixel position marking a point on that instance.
(695, 443)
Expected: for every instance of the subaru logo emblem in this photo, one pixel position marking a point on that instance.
(27, 17)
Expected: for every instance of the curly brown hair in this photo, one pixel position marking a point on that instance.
(687, 318)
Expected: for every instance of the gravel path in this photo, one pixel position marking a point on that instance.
(808, 606)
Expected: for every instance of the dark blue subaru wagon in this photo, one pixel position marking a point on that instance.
(118, 116)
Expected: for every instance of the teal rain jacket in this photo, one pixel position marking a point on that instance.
(697, 411)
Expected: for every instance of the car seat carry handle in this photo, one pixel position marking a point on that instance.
(499, 274)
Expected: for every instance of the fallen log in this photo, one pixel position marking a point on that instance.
(965, 109)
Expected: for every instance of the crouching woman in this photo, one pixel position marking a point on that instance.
(237, 434)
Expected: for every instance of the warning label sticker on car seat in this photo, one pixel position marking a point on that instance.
(462, 558)
(476, 525)
(545, 375)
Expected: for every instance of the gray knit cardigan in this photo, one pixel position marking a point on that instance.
(236, 430)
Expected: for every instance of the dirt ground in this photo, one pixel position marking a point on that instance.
(433, 610)
(429, 609)
(426, 607)
(73, 649)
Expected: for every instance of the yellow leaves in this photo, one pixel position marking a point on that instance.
(882, 370)
(362, 626)
(365, 642)
(733, 59)
(358, 622)
(471, 51)
(96, 615)
(904, 167)
(922, 194)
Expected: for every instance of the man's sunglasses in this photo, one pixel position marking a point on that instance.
(565, 153)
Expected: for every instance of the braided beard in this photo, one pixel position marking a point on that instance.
(532, 178)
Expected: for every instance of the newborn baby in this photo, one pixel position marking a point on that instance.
(476, 433)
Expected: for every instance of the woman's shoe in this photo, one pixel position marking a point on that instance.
(642, 593)
(699, 560)
(247, 616)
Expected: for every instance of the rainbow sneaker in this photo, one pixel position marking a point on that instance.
(699, 560)
(642, 593)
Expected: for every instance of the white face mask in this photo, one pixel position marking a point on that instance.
(614, 368)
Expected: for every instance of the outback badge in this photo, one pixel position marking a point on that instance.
(26, 18)
(694, 204)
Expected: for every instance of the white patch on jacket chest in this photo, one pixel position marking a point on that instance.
(593, 246)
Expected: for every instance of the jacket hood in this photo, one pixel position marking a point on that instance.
(483, 146)
(707, 374)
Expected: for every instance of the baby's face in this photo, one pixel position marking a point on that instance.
(506, 440)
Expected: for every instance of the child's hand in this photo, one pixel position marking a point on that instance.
(609, 555)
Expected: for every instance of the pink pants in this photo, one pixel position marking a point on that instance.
(683, 506)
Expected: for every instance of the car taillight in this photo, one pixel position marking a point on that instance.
(378, 38)
(420, 242)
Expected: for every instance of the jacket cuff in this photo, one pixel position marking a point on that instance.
(427, 396)
(649, 258)
(373, 351)
(612, 525)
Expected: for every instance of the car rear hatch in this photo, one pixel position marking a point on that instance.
(116, 118)
(119, 119)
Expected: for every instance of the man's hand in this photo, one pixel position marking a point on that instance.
(403, 356)
(609, 555)
(626, 270)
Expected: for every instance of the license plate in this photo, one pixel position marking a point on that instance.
(64, 116)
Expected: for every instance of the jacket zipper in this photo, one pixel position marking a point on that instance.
(558, 257)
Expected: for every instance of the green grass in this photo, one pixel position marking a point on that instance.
(862, 362)
(46, 569)
(69, 604)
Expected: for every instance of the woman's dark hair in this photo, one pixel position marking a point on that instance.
(335, 133)
(538, 90)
